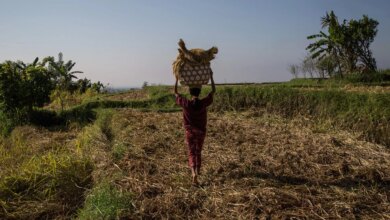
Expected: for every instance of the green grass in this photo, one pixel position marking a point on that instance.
(103, 121)
(118, 151)
(54, 178)
(106, 202)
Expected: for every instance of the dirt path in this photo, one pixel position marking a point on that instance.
(255, 166)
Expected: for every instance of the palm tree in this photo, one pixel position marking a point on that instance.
(63, 71)
(63, 76)
(328, 44)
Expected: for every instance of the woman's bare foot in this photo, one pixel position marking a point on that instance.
(197, 171)
(194, 176)
(195, 179)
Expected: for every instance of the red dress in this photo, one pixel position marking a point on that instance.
(195, 122)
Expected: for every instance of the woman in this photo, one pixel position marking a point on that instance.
(195, 121)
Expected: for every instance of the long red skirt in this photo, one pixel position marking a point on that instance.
(195, 139)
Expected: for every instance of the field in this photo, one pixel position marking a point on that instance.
(297, 150)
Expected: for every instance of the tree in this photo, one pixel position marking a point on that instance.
(11, 87)
(24, 86)
(348, 43)
(363, 34)
(83, 85)
(63, 74)
(294, 70)
(98, 87)
(326, 66)
(309, 66)
(63, 77)
(39, 85)
(144, 85)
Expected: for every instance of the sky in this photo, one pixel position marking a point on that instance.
(124, 43)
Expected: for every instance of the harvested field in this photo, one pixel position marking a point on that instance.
(266, 156)
(254, 166)
(125, 96)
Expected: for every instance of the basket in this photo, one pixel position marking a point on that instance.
(194, 74)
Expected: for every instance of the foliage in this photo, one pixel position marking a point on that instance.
(6, 123)
(374, 77)
(62, 72)
(347, 42)
(84, 84)
(326, 66)
(144, 85)
(24, 87)
(60, 97)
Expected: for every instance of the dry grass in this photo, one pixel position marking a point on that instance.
(26, 142)
(353, 88)
(193, 56)
(255, 166)
(367, 89)
(40, 176)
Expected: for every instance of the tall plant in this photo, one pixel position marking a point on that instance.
(348, 43)
(63, 77)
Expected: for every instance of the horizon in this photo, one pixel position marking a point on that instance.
(126, 43)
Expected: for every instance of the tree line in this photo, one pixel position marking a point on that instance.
(24, 87)
(343, 49)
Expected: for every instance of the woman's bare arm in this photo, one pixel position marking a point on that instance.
(176, 93)
(212, 83)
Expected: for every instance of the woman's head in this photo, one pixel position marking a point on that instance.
(194, 91)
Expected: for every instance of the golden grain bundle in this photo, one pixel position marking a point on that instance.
(192, 67)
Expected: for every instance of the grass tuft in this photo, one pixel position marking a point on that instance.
(106, 202)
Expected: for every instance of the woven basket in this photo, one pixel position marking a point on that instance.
(194, 75)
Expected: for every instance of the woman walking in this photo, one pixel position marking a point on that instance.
(195, 122)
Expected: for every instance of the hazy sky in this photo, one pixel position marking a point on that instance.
(125, 43)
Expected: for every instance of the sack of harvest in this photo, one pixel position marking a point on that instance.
(192, 67)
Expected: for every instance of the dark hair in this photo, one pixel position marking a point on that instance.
(195, 92)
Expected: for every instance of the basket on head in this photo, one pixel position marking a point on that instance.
(194, 75)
